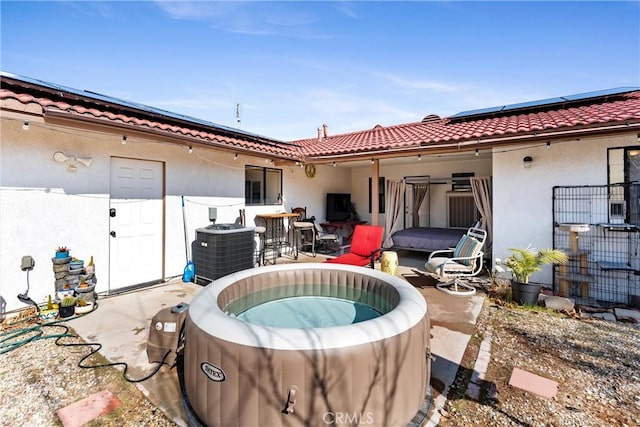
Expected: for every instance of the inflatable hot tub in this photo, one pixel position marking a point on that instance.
(373, 369)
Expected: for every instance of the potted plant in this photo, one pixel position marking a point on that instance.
(48, 311)
(62, 252)
(67, 306)
(83, 306)
(522, 263)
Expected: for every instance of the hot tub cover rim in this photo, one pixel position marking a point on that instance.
(207, 315)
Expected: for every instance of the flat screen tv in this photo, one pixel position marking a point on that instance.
(338, 206)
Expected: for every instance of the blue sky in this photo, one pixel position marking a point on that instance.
(293, 66)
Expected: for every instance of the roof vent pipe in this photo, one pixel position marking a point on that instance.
(325, 130)
(319, 134)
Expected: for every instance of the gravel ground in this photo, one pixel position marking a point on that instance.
(40, 377)
(596, 364)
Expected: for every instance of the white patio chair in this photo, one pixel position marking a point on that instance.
(451, 266)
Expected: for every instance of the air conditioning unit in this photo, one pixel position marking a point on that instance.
(617, 211)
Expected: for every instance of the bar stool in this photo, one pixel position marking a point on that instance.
(259, 232)
(300, 227)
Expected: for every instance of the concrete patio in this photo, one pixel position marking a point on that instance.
(125, 320)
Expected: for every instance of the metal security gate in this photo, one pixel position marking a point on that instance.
(599, 228)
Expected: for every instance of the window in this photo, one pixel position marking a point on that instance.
(624, 191)
(262, 186)
(461, 181)
(380, 194)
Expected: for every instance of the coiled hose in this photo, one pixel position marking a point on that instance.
(12, 339)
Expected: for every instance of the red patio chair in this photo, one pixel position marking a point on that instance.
(366, 247)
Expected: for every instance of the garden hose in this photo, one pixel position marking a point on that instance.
(12, 339)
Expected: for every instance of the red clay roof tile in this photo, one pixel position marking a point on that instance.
(612, 110)
(543, 121)
(271, 147)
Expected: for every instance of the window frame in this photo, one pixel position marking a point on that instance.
(261, 189)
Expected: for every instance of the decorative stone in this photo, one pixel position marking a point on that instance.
(556, 303)
(87, 293)
(628, 315)
(593, 309)
(609, 317)
(60, 268)
(72, 280)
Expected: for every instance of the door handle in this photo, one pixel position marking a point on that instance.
(113, 233)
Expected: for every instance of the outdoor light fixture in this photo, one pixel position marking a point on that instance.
(372, 161)
(548, 144)
(25, 125)
(334, 164)
(419, 156)
(477, 152)
(235, 156)
(527, 160)
(190, 149)
(124, 139)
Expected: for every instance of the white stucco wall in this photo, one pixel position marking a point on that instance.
(522, 197)
(301, 191)
(43, 205)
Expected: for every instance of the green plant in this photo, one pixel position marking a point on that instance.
(49, 303)
(523, 262)
(353, 213)
(80, 302)
(62, 249)
(67, 301)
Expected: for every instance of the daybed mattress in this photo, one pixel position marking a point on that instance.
(427, 239)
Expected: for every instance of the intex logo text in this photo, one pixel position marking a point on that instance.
(213, 372)
(354, 418)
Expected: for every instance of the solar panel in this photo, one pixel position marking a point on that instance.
(543, 102)
(598, 93)
(476, 112)
(135, 105)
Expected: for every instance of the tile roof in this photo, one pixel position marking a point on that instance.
(432, 135)
(62, 105)
(442, 133)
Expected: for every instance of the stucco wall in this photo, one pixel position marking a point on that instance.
(301, 191)
(43, 205)
(522, 197)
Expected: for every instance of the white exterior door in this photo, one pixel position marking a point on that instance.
(136, 217)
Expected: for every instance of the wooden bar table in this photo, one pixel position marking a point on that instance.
(275, 231)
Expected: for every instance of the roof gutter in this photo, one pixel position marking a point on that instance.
(55, 113)
(470, 145)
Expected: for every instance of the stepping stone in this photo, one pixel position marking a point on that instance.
(533, 383)
(81, 412)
